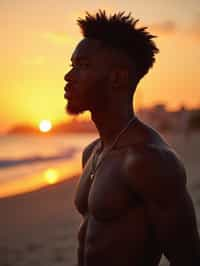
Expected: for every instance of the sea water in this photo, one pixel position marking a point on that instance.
(30, 162)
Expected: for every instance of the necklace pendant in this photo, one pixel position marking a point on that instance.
(92, 176)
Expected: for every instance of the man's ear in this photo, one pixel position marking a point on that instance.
(119, 77)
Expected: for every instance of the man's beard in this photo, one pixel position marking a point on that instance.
(99, 102)
(73, 109)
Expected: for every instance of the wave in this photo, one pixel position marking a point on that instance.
(35, 159)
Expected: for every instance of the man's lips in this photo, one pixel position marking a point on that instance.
(67, 94)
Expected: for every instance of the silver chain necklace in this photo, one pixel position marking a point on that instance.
(94, 169)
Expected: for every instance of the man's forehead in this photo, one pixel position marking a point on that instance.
(95, 51)
(87, 49)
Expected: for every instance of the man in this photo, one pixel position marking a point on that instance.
(132, 194)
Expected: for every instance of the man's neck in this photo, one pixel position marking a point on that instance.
(110, 122)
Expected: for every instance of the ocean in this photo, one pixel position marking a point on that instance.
(31, 162)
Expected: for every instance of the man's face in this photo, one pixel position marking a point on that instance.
(88, 80)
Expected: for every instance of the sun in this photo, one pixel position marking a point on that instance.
(45, 125)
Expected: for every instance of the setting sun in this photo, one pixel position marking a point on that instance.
(45, 125)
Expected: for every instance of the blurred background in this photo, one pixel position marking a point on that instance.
(41, 145)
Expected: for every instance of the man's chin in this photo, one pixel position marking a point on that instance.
(74, 110)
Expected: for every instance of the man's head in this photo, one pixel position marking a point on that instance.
(109, 62)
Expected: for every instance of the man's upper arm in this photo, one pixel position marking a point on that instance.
(159, 178)
(87, 151)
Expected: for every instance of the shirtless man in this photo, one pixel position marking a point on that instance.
(132, 194)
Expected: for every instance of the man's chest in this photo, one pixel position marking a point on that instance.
(106, 195)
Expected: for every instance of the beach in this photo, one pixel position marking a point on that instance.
(39, 227)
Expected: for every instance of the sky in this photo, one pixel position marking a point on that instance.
(38, 38)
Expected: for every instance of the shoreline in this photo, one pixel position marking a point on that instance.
(48, 176)
(42, 189)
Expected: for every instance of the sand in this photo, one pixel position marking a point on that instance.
(39, 228)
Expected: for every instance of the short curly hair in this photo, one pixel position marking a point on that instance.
(119, 31)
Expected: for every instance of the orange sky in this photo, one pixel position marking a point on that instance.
(37, 39)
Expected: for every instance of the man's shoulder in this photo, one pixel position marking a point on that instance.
(154, 152)
(153, 163)
(88, 150)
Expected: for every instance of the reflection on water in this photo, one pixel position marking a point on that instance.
(48, 176)
(51, 176)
